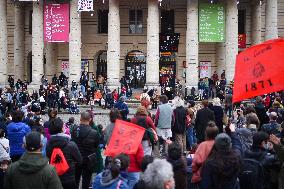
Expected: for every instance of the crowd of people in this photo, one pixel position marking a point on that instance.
(93, 90)
(185, 145)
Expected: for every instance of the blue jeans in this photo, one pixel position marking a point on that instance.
(83, 90)
(133, 178)
(191, 137)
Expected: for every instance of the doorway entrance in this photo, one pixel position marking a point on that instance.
(135, 69)
(102, 64)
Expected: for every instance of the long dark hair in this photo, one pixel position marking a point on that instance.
(225, 164)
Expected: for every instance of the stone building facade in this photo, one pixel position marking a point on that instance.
(24, 54)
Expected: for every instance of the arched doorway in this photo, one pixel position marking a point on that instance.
(135, 69)
(102, 64)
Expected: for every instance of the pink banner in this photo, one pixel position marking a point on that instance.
(56, 22)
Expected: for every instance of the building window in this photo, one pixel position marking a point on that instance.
(242, 21)
(103, 21)
(135, 21)
(167, 21)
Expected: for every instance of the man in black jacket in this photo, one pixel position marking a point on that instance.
(203, 116)
(87, 140)
(70, 151)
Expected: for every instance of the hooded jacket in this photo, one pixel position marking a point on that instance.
(16, 133)
(105, 181)
(70, 151)
(32, 171)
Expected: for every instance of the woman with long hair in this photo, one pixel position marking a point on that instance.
(223, 165)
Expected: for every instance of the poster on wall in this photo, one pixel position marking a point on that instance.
(84, 65)
(205, 69)
(211, 22)
(56, 22)
(65, 67)
(85, 5)
(242, 40)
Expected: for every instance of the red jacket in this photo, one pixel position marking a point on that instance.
(199, 159)
(136, 160)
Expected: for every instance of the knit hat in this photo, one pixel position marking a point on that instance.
(223, 142)
(32, 141)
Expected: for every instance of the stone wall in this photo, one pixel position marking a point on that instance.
(93, 43)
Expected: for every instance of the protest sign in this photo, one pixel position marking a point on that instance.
(126, 138)
(259, 70)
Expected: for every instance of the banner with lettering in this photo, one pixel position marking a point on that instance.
(126, 138)
(85, 5)
(65, 67)
(205, 69)
(211, 22)
(56, 22)
(259, 70)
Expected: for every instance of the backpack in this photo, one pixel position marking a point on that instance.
(58, 161)
(251, 175)
(141, 121)
(150, 134)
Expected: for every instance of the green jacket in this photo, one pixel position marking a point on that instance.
(32, 171)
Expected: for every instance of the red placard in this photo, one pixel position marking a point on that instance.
(259, 70)
(56, 22)
(242, 39)
(125, 138)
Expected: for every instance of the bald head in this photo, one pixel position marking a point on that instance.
(273, 116)
(85, 118)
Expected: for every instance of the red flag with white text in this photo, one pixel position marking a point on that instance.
(259, 70)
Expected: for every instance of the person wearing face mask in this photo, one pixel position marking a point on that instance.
(262, 152)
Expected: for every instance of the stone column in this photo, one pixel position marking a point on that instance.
(255, 22)
(152, 66)
(51, 60)
(231, 38)
(271, 28)
(19, 42)
(37, 44)
(192, 44)
(3, 42)
(113, 51)
(74, 43)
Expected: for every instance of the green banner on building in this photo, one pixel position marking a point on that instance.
(211, 22)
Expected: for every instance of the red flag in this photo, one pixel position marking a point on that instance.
(259, 70)
(125, 138)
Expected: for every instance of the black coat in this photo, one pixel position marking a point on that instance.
(87, 140)
(219, 115)
(180, 174)
(179, 126)
(203, 116)
(71, 154)
(261, 114)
